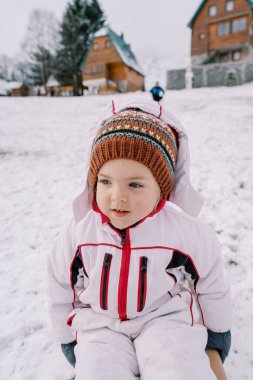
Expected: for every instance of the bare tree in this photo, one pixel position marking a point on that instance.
(42, 30)
(39, 47)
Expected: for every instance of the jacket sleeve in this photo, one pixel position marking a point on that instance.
(60, 293)
(209, 282)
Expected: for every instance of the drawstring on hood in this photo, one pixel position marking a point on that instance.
(113, 107)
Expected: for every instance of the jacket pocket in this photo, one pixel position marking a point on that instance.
(142, 288)
(104, 282)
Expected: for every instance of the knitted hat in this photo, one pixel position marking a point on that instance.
(139, 136)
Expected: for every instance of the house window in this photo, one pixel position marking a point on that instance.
(107, 44)
(236, 55)
(93, 69)
(213, 10)
(99, 69)
(223, 28)
(224, 57)
(95, 46)
(202, 36)
(239, 24)
(229, 5)
(87, 70)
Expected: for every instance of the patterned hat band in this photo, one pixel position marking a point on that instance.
(138, 136)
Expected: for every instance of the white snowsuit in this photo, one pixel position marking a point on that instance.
(122, 295)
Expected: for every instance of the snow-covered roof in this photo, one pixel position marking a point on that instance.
(101, 32)
(122, 48)
(52, 82)
(13, 85)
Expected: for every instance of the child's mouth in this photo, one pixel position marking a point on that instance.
(119, 212)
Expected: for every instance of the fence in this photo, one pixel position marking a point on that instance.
(212, 75)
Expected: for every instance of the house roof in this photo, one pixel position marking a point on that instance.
(52, 82)
(123, 49)
(190, 24)
(13, 85)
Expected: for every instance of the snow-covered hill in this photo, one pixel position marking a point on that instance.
(42, 141)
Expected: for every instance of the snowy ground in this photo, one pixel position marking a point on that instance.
(41, 151)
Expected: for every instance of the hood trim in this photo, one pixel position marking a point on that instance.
(105, 219)
(182, 194)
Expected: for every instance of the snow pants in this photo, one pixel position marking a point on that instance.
(162, 350)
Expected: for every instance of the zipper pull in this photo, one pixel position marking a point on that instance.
(123, 237)
(144, 264)
(107, 260)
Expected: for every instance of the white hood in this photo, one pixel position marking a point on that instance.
(183, 194)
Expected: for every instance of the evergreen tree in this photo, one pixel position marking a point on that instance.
(81, 20)
(41, 66)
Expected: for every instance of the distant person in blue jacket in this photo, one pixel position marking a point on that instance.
(157, 92)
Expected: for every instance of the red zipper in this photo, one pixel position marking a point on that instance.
(124, 273)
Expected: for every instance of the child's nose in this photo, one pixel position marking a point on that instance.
(118, 195)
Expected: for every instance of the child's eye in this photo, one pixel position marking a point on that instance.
(135, 185)
(104, 181)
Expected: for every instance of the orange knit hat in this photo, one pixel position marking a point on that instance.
(139, 136)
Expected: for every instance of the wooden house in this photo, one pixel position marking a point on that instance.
(222, 31)
(110, 65)
(17, 89)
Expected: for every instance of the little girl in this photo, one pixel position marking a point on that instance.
(118, 301)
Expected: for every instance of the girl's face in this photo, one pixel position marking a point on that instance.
(126, 192)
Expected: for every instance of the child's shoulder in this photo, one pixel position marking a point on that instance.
(191, 234)
(195, 225)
